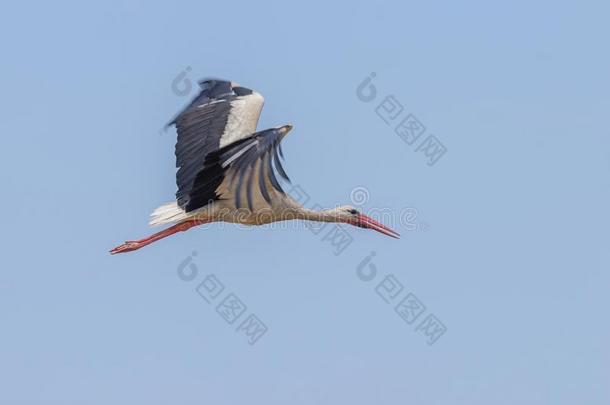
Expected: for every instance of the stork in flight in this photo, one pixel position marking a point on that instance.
(226, 170)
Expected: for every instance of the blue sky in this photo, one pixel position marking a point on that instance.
(505, 237)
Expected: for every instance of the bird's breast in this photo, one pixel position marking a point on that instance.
(246, 217)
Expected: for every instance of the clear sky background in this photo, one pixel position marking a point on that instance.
(509, 251)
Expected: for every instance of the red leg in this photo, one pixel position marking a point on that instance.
(131, 245)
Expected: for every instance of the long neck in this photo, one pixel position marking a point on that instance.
(313, 215)
(297, 211)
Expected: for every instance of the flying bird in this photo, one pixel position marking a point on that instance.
(227, 170)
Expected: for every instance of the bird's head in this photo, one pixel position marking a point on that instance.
(350, 215)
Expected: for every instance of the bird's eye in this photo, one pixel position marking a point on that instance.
(353, 212)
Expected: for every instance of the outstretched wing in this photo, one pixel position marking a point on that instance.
(246, 167)
(222, 113)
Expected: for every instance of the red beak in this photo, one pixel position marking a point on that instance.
(369, 223)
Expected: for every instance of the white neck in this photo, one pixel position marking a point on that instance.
(320, 216)
(297, 211)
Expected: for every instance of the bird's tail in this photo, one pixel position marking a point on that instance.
(167, 214)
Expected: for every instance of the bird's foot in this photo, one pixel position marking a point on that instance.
(128, 246)
(132, 245)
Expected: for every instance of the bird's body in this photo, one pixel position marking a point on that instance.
(227, 170)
